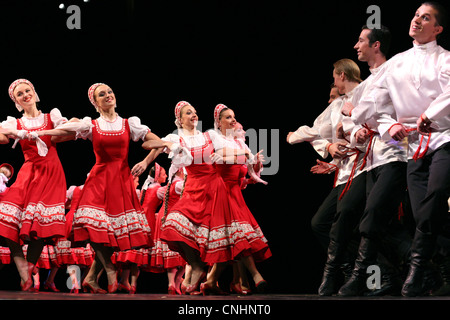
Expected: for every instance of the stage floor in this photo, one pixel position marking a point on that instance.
(18, 295)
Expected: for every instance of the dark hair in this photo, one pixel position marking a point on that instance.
(151, 174)
(383, 35)
(166, 196)
(441, 15)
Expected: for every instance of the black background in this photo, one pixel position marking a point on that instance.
(270, 61)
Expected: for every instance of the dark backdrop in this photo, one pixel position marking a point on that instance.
(271, 61)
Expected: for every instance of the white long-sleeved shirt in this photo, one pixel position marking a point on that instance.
(381, 152)
(417, 82)
(323, 132)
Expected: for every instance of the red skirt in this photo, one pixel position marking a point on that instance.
(162, 258)
(109, 212)
(5, 255)
(34, 205)
(253, 233)
(202, 219)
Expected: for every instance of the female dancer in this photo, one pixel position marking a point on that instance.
(200, 225)
(152, 194)
(131, 261)
(33, 209)
(109, 213)
(225, 123)
(162, 258)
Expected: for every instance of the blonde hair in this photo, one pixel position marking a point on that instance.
(349, 68)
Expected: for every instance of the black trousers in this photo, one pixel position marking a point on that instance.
(338, 219)
(386, 187)
(429, 189)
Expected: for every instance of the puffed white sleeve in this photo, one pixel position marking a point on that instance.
(57, 118)
(217, 140)
(172, 137)
(137, 129)
(180, 155)
(82, 128)
(179, 186)
(9, 124)
(161, 192)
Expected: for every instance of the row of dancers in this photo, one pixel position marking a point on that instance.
(389, 137)
(203, 224)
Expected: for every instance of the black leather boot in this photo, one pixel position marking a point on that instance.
(421, 253)
(444, 268)
(357, 284)
(391, 284)
(332, 269)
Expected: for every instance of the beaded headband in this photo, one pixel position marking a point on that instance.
(217, 110)
(177, 112)
(14, 85)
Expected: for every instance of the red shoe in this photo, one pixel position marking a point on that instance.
(50, 286)
(132, 289)
(183, 288)
(122, 287)
(172, 291)
(192, 289)
(208, 290)
(113, 287)
(86, 286)
(28, 285)
(236, 288)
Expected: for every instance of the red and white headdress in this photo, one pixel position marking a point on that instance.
(14, 85)
(178, 108)
(151, 179)
(91, 93)
(157, 171)
(10, 167)
(217, 110)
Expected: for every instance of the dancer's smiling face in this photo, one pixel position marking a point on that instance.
(24, 95)
(424, 26)
(189, 118)
(104, 97)
(227, 120)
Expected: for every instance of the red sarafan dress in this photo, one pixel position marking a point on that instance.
(162, 258)
(66, 252)
(152, 198)
(34, 205)
(232, 175)
(109, 211)
(202, 217)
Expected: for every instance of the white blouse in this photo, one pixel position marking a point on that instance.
(83, 128)
(196, 140)
(36, 122)
(191, 141)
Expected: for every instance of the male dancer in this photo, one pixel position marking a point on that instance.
(417, 82)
